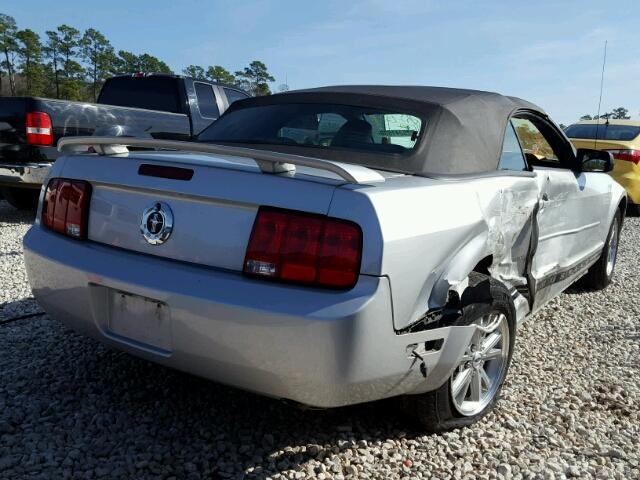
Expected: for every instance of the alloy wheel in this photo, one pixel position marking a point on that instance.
(476, 379)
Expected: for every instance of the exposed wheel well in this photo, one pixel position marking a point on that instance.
(483, 265)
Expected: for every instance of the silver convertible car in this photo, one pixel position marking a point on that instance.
(330, 246)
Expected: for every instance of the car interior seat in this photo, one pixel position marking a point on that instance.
(354, 132)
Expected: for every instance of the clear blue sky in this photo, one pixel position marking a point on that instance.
(548, 52)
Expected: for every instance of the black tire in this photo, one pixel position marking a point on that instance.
(597, 277)
(22, 198)
(435, 410)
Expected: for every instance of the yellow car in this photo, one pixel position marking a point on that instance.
(622, 139)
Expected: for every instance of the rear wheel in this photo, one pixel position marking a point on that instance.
(601, 272)
(21, 198)
(474, 386)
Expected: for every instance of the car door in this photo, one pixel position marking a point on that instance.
(572, 208)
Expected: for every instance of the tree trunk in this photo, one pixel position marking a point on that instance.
(95, 77)
(12, 80)
(55, 73)
(28, 75)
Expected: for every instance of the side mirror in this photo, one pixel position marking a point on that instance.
(594, 160)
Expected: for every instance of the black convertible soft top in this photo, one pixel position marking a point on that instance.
(464, 128)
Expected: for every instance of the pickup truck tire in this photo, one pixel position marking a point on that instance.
(437, 411)
(22, 198)
(601, 273)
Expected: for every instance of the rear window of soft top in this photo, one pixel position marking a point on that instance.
(321, 126)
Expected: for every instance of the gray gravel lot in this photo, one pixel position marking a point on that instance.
(70, 408)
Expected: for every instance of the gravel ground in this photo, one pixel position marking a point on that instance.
(70, 408)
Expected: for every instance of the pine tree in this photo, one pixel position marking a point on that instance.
(52, 51)
(98, 53)
(220, 74)
(151, 64)
(8, 45)
(255, 78)
(195, 71)
(30, 55)
(69, 44)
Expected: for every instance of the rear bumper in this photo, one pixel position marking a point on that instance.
(316, 347)
(28, 175)
(627, 174)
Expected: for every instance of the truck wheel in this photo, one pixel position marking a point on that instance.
(601, 273)
(633, 210)
(474, 386)
(22, 198)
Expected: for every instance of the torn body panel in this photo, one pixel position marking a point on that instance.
(531, 224)
(446, 228)
(508, 209)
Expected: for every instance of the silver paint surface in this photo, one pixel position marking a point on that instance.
(422, 238)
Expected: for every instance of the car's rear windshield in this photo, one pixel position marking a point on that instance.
(604, 131)
(318, 125)
(151, 93)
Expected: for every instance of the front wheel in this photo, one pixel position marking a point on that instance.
(601, 273)
(474, 386)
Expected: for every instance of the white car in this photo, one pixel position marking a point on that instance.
(330, 246)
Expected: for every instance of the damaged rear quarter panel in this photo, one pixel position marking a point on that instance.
(427, 235)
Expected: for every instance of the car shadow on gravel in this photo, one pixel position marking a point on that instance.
(109, 414)
(24, 308)
(576, 290)
(8, 214)
(239, 434)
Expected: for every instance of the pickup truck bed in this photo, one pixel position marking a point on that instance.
(148, 106)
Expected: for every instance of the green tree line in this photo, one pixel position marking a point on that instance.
(72, 65)
(255, 78)
(619, 113)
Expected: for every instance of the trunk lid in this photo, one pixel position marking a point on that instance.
(213, 212)
(602, 144)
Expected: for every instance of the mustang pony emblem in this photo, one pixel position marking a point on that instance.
(156, 223)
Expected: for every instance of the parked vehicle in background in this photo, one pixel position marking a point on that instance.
(140, 105)
(331, 246)
(622, 139)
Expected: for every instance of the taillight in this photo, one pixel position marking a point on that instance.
(626, 155)
(304, 248)
(39, 129)
(65, 208)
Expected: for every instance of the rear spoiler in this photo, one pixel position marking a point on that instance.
(268, 162)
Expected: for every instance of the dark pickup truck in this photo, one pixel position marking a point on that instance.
(140, 105)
